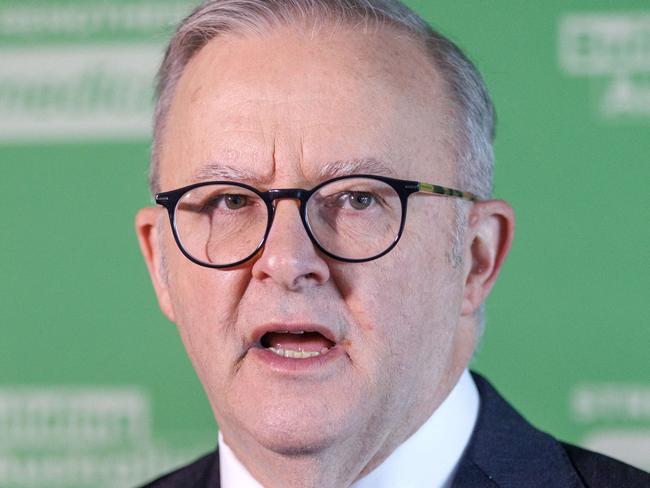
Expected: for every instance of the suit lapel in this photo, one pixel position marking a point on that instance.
(470, 475)
(507, 452)
(210, 477)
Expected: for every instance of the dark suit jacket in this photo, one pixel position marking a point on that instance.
(505, 451)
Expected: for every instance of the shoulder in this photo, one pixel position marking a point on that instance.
(598, 470)
(507, 451)
(204, 472)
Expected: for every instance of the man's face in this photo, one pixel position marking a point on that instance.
(281, 108)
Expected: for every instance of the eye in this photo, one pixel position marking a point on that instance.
(232, 201)
(361, 200)
(358, 200)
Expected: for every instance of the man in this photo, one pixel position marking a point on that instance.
(332, 333)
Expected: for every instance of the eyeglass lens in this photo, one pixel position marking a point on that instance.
(352, 218)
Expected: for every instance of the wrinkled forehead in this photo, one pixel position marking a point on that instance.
(286, 104)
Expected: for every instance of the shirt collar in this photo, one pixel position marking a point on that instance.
(232, 471)
(429, 458)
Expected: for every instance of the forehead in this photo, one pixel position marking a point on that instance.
(287, 103)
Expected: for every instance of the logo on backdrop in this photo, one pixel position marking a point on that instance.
(613, 50)
(78, 92)
(617, 419)
(80, 71)
(72, 436)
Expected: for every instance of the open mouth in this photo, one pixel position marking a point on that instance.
(296, 344)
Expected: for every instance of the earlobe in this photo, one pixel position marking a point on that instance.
(146, 222)
(491, 230)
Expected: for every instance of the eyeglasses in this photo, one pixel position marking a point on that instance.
(357, 218)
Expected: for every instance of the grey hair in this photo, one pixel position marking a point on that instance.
(474, 112)
(474, 115)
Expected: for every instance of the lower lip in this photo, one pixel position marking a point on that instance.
(295, 365)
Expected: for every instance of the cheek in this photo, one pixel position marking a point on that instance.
(407, 303)
(205, 303)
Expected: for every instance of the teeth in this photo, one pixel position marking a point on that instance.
(300, 354)
(297, 332)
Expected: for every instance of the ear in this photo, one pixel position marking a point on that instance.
(147, 221)
(489, 237)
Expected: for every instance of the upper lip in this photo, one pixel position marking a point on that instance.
(325, 331)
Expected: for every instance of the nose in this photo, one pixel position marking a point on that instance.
(289, 258)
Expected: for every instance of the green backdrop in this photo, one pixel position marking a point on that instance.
(95, 388)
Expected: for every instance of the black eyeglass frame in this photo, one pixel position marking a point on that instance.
(403, 188)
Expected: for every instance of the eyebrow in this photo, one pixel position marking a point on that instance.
(346, 167)
(221, 171)
(333, 169)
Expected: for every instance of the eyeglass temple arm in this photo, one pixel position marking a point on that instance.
(449, 192)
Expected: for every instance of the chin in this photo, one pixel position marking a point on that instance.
(297, 429)
(297, 446)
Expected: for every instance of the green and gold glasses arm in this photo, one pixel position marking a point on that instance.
(449, 192)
